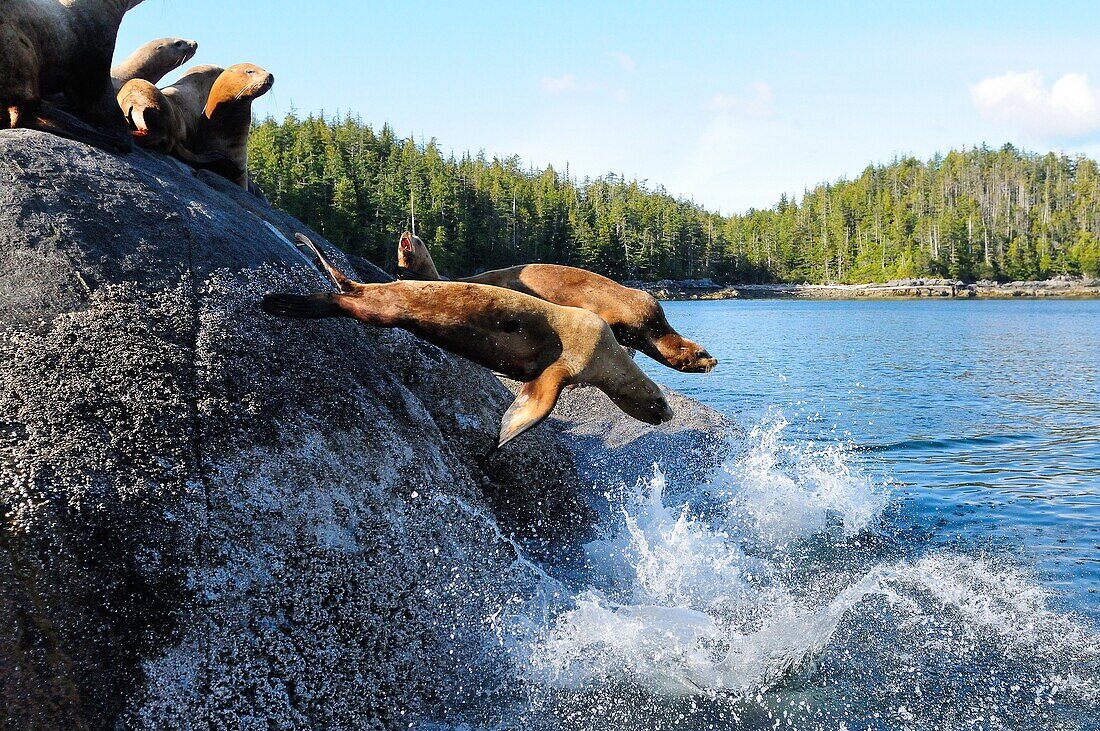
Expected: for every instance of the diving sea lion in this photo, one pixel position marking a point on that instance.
(227, 115)
(158, 122)
(525, 338)
(636, 317)
(154, 60)
(50, 47)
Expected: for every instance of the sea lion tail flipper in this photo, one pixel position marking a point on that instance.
(305, 306)
(343, 283)
(534, 403)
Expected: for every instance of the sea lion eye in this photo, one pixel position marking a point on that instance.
(250, 72)
(509, 326)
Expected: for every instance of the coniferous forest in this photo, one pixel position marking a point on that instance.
(973, 214)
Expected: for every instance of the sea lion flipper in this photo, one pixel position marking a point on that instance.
(303, 306)
(342, 283)
(534, 403)
(215, 162)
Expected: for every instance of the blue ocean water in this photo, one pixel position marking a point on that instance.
(905, 536)
(984, 415)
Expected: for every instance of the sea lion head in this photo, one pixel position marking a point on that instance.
(412, 254)
(642, 398)
(662, 343)
(144, 107)
(174, 52)
(684, 355)
(240, 82)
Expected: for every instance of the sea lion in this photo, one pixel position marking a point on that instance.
(414, 261)
(49, 47)
(636, 317)
(189, 95)
(525, 338)
(157, 122)
(154, 60)
(227, 115)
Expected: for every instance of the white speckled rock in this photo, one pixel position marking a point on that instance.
(217, 519)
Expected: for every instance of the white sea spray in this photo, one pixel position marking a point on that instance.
(692, 596)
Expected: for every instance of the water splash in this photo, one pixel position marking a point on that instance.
(784, 492)
(765, 599)
(696, 597)
(683, 610)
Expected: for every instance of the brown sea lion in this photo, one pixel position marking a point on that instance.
(158, 122)
(154, 60)
(189, 95)
(525, 338)
(50, 47)
(636, 317)
(227, 115)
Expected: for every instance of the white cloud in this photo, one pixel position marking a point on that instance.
(757, 103)
(735, 162)
(559, 84)
(1070, 108)
(570, 84)
(626, 63)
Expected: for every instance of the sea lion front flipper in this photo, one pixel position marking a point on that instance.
(534, 403)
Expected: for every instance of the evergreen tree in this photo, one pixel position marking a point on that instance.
(977, 213)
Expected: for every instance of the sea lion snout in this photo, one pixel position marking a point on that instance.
(414, 258)
(684, 355)
(642, 399)
(704, 362)
(656, 411)
(666, 412)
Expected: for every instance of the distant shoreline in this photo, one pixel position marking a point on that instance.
(705, 289)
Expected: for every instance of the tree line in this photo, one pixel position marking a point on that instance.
(972, 214)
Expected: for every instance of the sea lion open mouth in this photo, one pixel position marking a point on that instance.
(137, 123)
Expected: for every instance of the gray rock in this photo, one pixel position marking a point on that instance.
(609, 449)
(216, 519)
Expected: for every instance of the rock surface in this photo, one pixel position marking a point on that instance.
(216, 519)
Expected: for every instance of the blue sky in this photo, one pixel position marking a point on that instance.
(730, 104)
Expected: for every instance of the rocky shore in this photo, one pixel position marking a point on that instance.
(706, 289)
(211, 518)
